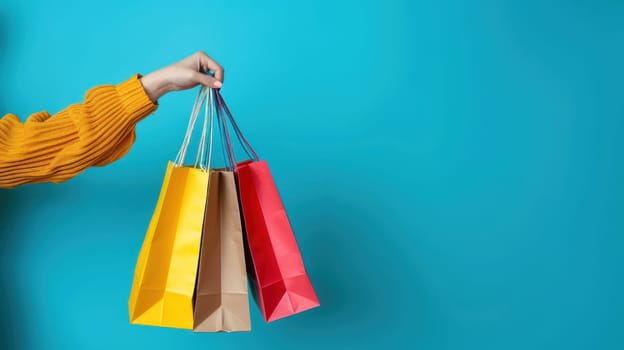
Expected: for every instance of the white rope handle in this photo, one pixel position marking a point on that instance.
(189, 128)
(209, 112)
(199, 100)
(199, 160)
(212, 113)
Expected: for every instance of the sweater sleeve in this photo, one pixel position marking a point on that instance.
(59, 147)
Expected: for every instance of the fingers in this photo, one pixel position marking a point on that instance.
(206, 63)
(207, 80)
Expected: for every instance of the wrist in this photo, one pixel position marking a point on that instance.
(154, 86)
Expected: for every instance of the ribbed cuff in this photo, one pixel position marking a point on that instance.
(136, 102)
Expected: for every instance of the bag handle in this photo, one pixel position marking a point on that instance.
(239, 134)
(227, 142)
(204, 97)
(208, 121)
(179, 160)
(209, 112)
(224, 150)
(222, 107)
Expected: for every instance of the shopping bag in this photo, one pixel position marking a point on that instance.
(280, 283)
(164, 278)
(222, 301)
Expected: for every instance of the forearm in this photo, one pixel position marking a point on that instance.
(55, 148)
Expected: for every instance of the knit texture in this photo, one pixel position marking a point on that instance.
(56, 148)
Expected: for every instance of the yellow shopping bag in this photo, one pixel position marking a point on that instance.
(165, 273)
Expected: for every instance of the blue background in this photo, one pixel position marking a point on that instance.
(453, 169)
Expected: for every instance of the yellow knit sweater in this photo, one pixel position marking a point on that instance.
(56, 148)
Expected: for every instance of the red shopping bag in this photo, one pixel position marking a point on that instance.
(280, 283)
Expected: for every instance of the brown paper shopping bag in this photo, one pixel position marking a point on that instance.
(221, 300)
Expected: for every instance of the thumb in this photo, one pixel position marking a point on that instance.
(207, 80)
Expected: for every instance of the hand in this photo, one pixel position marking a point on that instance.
(183, 75)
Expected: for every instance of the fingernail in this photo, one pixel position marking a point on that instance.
(217, 84)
